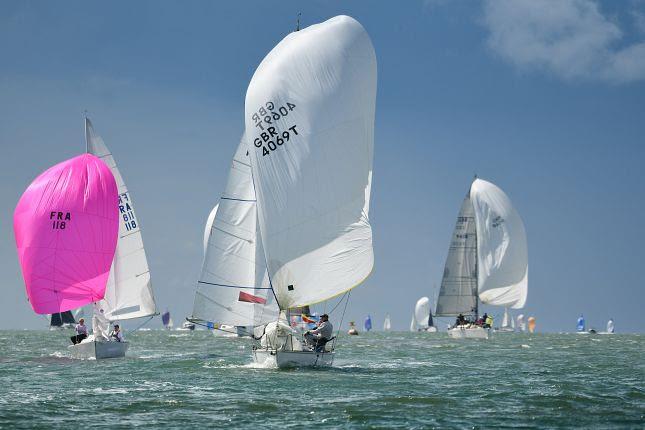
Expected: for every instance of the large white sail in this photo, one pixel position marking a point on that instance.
(233, 288)
(458, 292)
(502, 254)
(310, 125)
(129, 292)
(422, 312)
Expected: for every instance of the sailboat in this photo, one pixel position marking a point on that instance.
(367, 325)
(310, 118)
(531, 321)
(387, 324)
(422, 317)
(66, 228)
(508, 323)
(521, 325)
(128, 294)
(61, 320)
(580, 325)
(610, 326)
(233, 293)
(487, 260)
(166, 320)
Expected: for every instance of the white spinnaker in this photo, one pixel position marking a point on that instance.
(230, 287)
(310, 124)
(129, 292)
(413, 323)
(422, 312)
(502, 254)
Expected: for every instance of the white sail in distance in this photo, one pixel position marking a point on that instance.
(233, 288)
(309, 115)
(128, 293)
(422, 312)
(387, 324)
(502, 252)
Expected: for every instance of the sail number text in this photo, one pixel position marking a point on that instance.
(59, 219)
(271, 137)
(126, 212)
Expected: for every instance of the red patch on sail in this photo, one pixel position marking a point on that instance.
(250, 298)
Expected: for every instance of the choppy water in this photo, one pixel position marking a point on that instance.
(404, 380)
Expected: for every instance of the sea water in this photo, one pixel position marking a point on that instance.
(379, 380)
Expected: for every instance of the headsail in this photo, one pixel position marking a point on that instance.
(505, 319)
(233, 288)
(66, 225)
(580, 325)
(502, 254)
(458, 292)
(310, 118)
(129, 291)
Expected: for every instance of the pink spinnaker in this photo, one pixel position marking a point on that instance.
(66, 226)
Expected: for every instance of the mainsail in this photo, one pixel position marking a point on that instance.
(310, 126)
(458, 292)
(233, 288)
(129, 291)
(66, 225)
(387, 324)
(367, 325)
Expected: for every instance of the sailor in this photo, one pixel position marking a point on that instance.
(488, 321)
(81, 332)
(460, 320)
(116, 334)
(321, 334)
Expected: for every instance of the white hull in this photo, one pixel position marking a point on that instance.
(98, 350)
(505, 330)
(286, 359)
(469, 332)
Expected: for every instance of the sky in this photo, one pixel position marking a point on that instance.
(545, 99)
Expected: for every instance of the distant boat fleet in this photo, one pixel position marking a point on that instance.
(291, 228)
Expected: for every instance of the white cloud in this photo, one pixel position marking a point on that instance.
(569, 38)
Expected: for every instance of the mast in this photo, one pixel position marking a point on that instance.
(476, 258)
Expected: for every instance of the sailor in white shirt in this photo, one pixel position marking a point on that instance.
(81, 332)
(322, 334)
(116, 335)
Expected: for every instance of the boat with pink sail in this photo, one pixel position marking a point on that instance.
(66, 227)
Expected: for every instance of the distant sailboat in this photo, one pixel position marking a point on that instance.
(508, 324)
(128, 294)
(310, 116)
(610, 326)
(66, 229)
(61, 320)
(531, 324)
(166, 320)
(422, 318)
(367, 325)
(387, 325)
(580, 324)
(352, 329)
(487, 260)
(521, 324)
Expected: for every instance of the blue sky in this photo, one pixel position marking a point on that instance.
(545, 99)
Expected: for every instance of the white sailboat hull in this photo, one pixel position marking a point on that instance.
(287, 359)
(98, 350)
(462, 332)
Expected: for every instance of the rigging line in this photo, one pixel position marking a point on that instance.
(233, 286)
(342, 318)
(142, 324)
(238, 200)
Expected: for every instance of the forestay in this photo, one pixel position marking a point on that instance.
(129, 291)
(66, 226)
(458, 292)
(310, 124)
(233, 288)
(502, 255)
